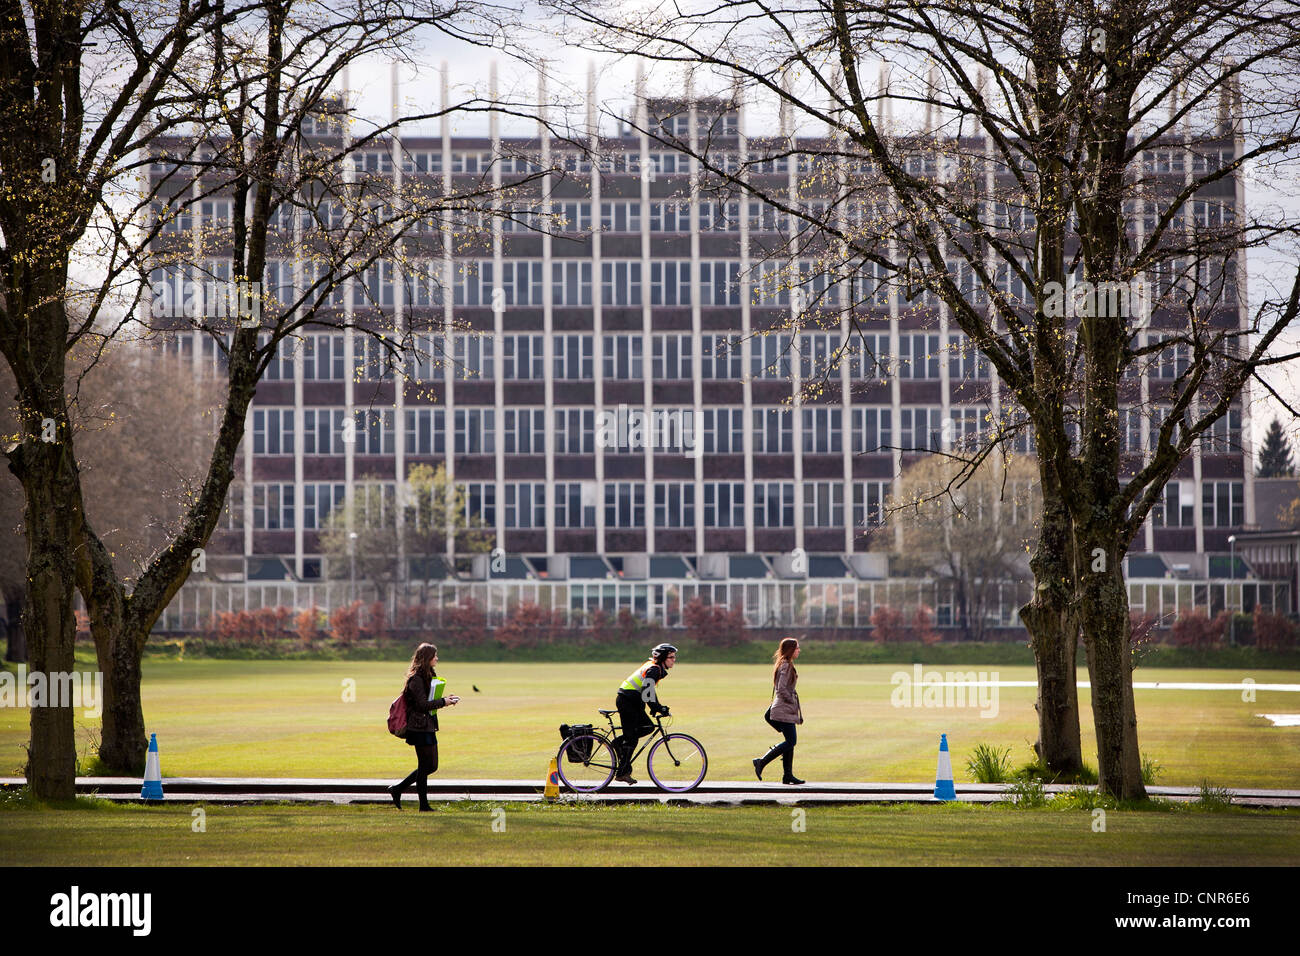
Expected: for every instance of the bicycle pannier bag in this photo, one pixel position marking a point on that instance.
(581, 750)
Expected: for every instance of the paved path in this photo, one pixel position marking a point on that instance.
(238, 790)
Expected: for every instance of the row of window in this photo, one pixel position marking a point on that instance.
(667, 216)
(672, 358)
(579, 431)
(204, 292)
(1161, 161)
(624, 503)
(1221, 438)
(674, 503)
(1222, 505)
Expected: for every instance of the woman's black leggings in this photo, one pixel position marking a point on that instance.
(428, 759)
(785, 749)
(791, 736)
(428, 763)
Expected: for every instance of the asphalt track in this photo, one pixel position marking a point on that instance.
(239, 790)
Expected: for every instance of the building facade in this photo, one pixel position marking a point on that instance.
(611, 361)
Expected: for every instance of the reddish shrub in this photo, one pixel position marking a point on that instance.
(1274, 632)
(307, 624)
(630, 627)
(270, 622)
(344, 623)
(232, 627)
(528, 625)
(598, 626)
(887, 625)
(1197, 631)
(376, 626)
(923, 626)
(714, 625)
(466, 623)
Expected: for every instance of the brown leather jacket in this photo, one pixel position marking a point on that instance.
(785, 699)
(419, 712)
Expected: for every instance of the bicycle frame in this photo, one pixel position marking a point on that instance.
(616, 732)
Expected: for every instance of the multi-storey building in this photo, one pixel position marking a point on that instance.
(621, 284)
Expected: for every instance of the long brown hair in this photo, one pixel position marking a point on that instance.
(785, 654)
(422, 661)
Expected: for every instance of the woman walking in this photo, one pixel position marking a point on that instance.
(421, 723)
(784, 714)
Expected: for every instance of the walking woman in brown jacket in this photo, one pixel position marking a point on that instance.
(784, 713)
(421, 723)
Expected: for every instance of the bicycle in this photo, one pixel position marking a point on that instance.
(676, 762)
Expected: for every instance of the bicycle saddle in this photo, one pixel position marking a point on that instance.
(606, 713)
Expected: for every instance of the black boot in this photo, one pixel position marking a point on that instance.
(397, 789)
(787, 765)
(422, 788)
(763, 761)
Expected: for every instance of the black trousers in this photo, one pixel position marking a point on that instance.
(427, 763)
(785, 749)
(635, 722)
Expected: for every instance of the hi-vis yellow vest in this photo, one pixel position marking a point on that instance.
(636, 681)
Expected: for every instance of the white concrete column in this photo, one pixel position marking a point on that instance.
(450, 369)
(597, 304)
(697, 349)
(400, 331)
(647, 341)
(746, 325)
(548, 323)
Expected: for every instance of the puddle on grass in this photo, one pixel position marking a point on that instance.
(1282, 720)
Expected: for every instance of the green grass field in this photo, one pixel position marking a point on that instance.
(290, 719)
(575, 835)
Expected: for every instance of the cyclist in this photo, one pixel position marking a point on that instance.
(635, 694)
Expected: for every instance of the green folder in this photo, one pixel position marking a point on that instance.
(436, 689)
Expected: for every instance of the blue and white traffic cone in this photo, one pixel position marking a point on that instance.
(152, 789)
(943, 788)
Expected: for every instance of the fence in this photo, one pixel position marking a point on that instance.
(832, 603)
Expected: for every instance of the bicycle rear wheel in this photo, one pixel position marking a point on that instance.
(677, 763)
(587, 763)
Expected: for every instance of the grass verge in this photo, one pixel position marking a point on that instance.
(595, 834)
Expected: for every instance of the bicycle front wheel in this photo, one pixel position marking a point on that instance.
(677, 763)
(587, 763)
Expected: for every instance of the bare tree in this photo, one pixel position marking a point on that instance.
(222, 99)
(66, 125)
(141, 451)
(311, 197)
(364, 537)
(970, 528)
(1044, 127)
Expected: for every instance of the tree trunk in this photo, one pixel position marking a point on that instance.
(123, 742)
(15, 638)
(52, 520)
(1053, 635)
(121, 624)
(1104, 611)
